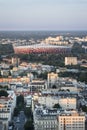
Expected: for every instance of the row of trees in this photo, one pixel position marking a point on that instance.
(20, 105)
(57, 106)
(84, 108)
(3, 93)
(6, 49)
(29, 123)
(4, 87)
(50, 59)
(80, 76)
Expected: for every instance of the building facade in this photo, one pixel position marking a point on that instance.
(71, 121)
(45, 119)
(52, 79)
(70, 60)
(64, 102)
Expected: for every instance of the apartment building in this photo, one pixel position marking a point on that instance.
(70, 60)
(45, 119)
(64, 102)
(71, 120)
(37, 85)
(52, 79)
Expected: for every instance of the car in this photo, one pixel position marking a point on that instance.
(17, 121)
(10, 128)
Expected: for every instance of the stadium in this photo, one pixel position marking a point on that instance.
(41, 48)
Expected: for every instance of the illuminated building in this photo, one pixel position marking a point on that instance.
(71, 120)
(70, 60)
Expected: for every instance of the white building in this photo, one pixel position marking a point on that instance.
(67, 103)
(37, 85)
(15, 61)
(1, 126)
(45, 119)
(67, 85)
(4, 124)
(12, 97)
(5, 110)
(70, 60)
(48, 101)
(71, 120)
(7, 105)
(64, 102)
(70, 88)
(28, 100)
(31, 76)
(59, 40)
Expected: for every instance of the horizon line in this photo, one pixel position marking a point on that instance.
(43, 30)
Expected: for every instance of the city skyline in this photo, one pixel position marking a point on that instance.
(43, 15)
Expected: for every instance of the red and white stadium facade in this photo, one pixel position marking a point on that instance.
(41, 48)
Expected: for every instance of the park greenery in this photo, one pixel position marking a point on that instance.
(50, 59)
(29, 123)
(80, 76)
(28, 112)
(20, 105)
(20, 101)
(57, 106)
(4, 87)
(6, 49)
(3, 93)
(84, 108)
(77, 49)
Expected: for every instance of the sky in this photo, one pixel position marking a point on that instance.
(43, 15)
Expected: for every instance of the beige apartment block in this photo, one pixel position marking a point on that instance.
(71, 121)
(70, 60)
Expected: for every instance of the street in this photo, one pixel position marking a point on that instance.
(19, 121)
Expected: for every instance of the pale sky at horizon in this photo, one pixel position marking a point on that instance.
(43, 14)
